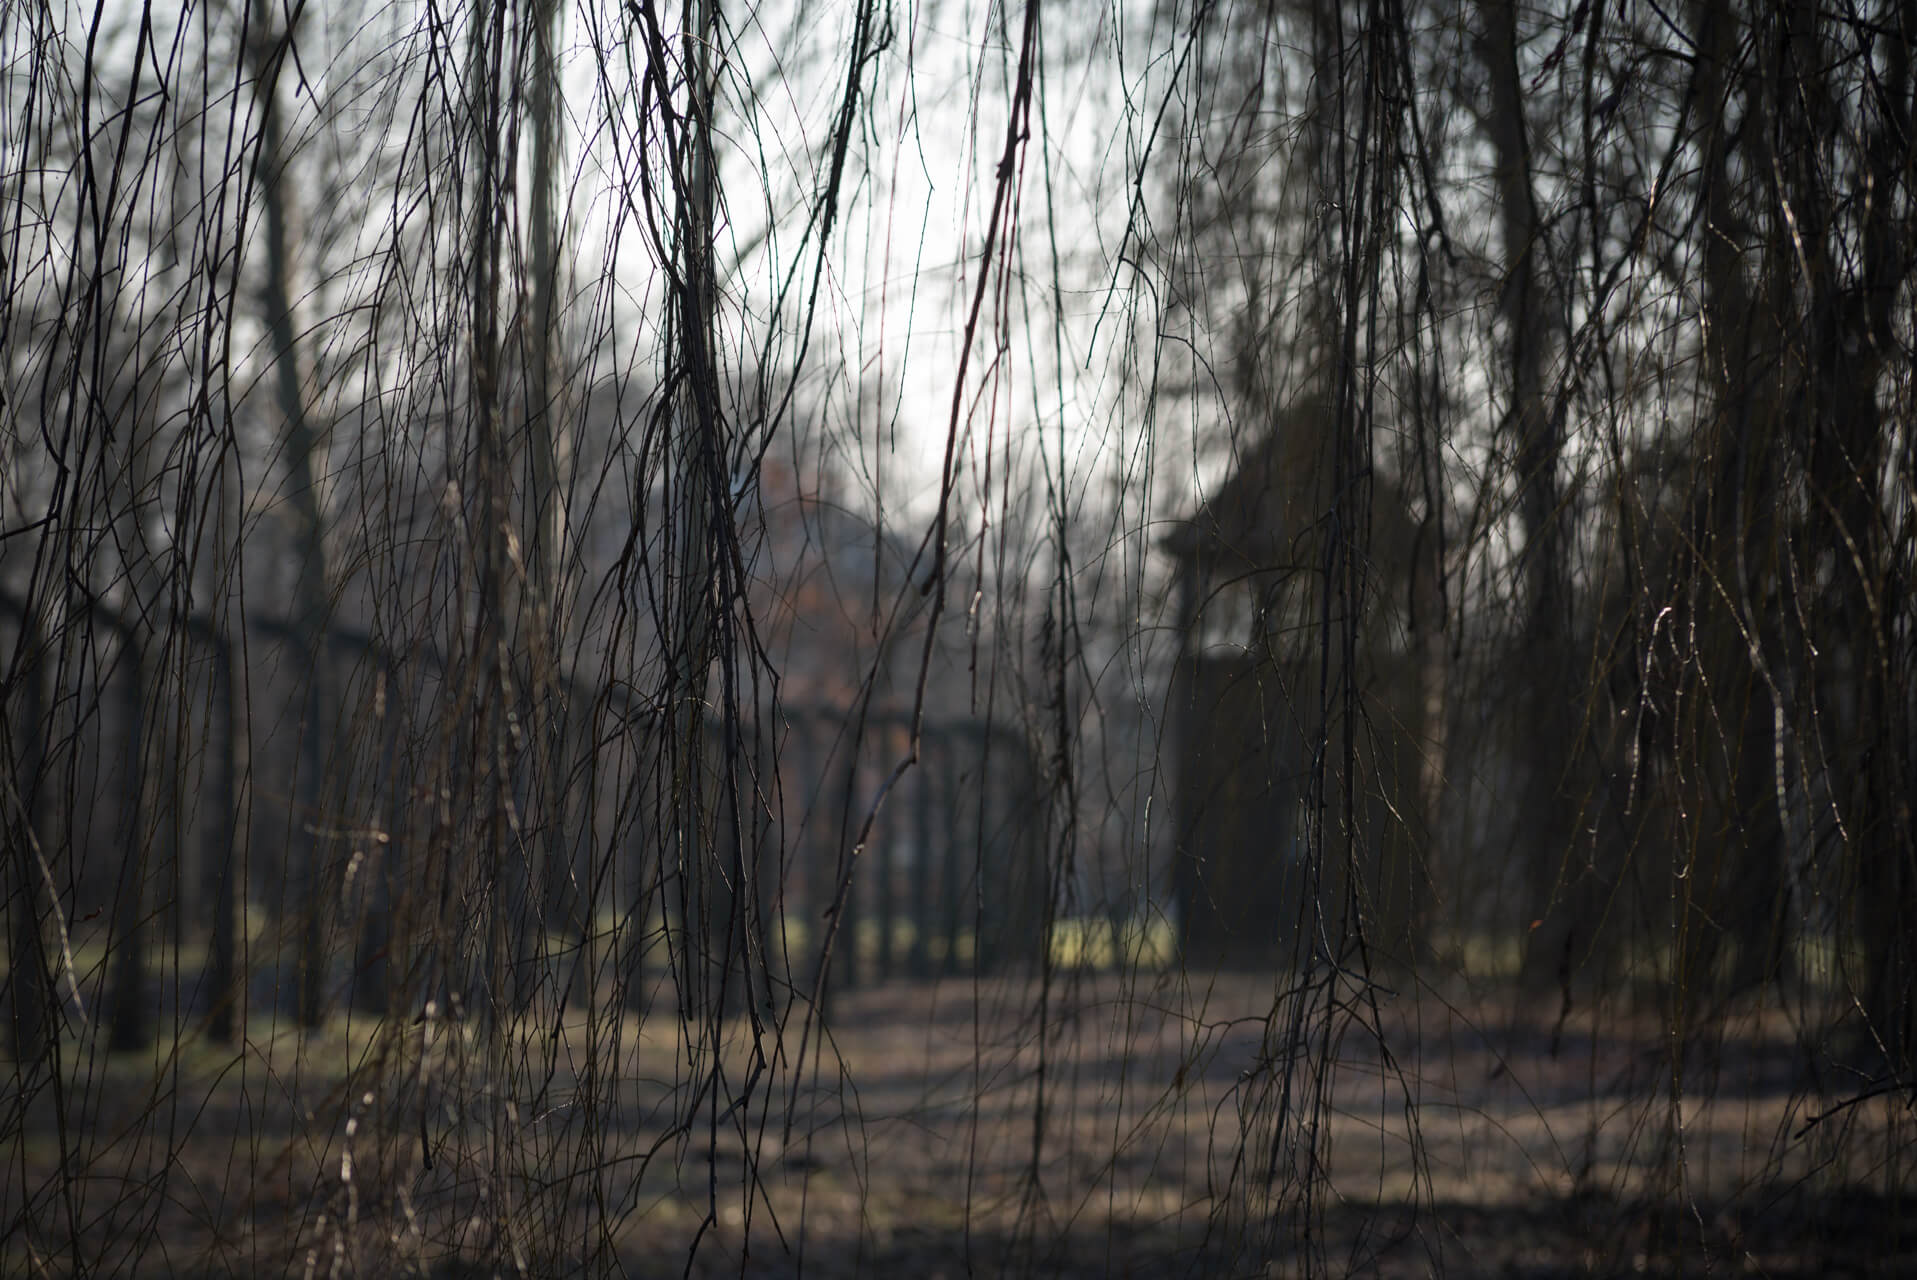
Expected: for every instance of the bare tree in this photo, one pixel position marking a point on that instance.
(1035, 629)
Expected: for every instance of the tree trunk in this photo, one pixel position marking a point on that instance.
(225, 877)
(306, 862)
(380, 849)
(699, 448)
(151, 764)
(546, 604)
(1566, 900)
(1851, 342)
(30, 991)
(1729, 881)
(129, 1003)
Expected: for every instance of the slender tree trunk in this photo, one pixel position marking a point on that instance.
(491, 511)
(848, 965)
(885, 850)
(1562, 895)
(1431, 731)
(550, 589)
(699, 452)
(1732, 886)
(151, 765)
(129, 1003)
(380, 848)
(225, 878)
(227, 835)
(30, 991)
(306, 862)
(918, 960)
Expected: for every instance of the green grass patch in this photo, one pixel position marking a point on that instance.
(1101, 944)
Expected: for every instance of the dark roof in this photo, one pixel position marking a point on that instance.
(1276, 490)
(1263, 515)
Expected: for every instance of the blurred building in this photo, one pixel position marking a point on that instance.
(1305, 703)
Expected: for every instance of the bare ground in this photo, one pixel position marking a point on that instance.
(1159, 1127)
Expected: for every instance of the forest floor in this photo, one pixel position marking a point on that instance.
(1155, 1127)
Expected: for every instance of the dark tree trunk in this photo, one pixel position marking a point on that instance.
(31, 1000)
(925, 796)
(380, 850)
(306, 871)
(1567, 897)
(1734, 889)
(225, 878)
(129, 1002)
